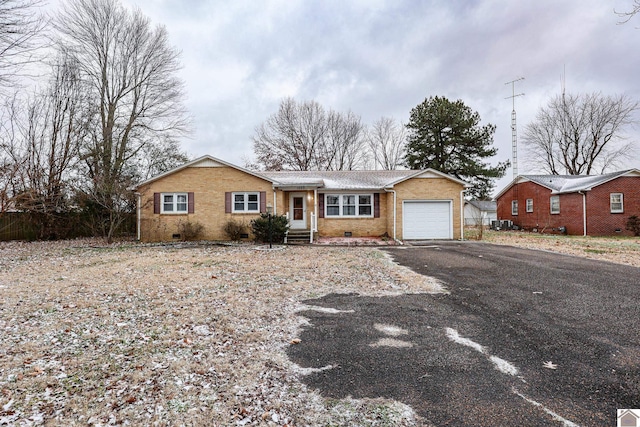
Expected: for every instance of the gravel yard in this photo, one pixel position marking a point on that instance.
(192, 334)
(175, 335)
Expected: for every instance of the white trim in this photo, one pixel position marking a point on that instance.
(300, 224)
(356, 204)
(621, 210)
(528, 208)
(245, 202)
(174, 203)
(514, 208)
(551, 199)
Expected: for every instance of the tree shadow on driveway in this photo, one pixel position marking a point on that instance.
(401, 348)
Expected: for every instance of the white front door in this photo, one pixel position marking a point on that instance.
(298, 210)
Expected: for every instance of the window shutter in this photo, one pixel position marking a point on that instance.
(376, 205)
(321, 205)
(227, 202)
(156, 203)
(190, 203)
(263, 202)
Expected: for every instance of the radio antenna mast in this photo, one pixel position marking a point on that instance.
(514, 133)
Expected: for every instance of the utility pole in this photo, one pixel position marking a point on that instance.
(514, 132)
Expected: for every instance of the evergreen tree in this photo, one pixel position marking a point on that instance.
(447, 136)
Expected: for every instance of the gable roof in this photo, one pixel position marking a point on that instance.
(560, 184)
(204, 161)
(326, 180)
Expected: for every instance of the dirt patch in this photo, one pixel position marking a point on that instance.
(177, 334)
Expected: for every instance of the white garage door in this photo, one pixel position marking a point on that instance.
(426, 220)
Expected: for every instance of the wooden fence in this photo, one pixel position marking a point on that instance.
(20, 226)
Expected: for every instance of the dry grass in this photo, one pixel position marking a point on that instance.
(175, 335)
(621, 250)
(192, 334)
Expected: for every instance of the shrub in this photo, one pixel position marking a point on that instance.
(190, 230)
(633, 224)
(279, 228)
(235, 229)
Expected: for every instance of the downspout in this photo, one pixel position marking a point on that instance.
(316, 207)
(275, 202)
(395, 212)
(462, 215)
(584, 212)
(138, 212)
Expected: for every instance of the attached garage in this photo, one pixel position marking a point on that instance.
(424, 219)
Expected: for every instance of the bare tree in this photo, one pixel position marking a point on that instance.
(580, 134)
(302, 136)
(344, 141)
(9, 165)
(291, 138)
(135, 98)
(626, 16)
(47, 129)
(20, 26)
(386, 140)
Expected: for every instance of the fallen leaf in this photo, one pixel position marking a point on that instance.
(549, 365)
(295, 341)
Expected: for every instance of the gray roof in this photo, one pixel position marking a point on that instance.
(573, 183)
(484, 205)
(559, 184)
(339, 180)
(327, 180)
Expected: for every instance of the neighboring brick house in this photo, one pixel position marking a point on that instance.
(594, 205)
(401, 204)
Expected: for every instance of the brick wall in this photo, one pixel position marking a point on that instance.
(359, 227)
(600, 220)
(429, 189)
(209, 185)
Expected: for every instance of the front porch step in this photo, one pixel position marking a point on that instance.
(298, 236)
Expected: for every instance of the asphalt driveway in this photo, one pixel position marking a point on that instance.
(522, 338)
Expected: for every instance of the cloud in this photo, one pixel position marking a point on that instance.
(382, 58)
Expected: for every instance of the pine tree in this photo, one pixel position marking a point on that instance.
(447, 136)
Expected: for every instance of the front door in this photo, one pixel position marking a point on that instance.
(298, 210)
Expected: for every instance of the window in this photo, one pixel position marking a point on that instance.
(246, 202)
(174, 203)
(348, 205)
(529, 205)
(554, 203)
(617, 202)
(514, 207)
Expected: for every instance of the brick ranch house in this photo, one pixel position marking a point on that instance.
(401, 204)
(594, 205)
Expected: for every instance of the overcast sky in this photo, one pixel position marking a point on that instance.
(382, 58)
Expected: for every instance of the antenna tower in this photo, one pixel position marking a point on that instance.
(514, 133)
